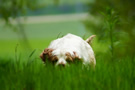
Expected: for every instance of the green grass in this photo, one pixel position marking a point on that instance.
(24, 70)
(30, 73)
(45, 30)
(39, 35)
(49, 2)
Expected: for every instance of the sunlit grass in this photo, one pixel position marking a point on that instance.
(31, 73)
(39, 35)
(22, 69)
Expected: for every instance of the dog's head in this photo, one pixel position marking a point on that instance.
(58, 58)
(67, 49)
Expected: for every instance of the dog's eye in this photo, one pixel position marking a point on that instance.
(54, 61)
(69, 61)
(53, 58)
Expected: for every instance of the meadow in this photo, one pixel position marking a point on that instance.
(29, 73)
(39, 35)
(22, 69)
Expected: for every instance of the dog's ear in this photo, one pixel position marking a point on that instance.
(46, 53)
(42, 56)
(89, 40)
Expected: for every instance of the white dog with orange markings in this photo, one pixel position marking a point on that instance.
(69, 48)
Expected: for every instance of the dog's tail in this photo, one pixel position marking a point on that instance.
(89, 40)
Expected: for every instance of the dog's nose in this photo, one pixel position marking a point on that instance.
(61, 64)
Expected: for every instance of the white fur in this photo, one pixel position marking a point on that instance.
(72, 43)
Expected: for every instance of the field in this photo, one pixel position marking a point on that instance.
(30, 73)
(39, 34)
(22, 69)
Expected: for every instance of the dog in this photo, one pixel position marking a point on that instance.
(69, 48)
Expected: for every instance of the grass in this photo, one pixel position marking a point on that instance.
(25, 70)
(31, 73)
(39, 35)
(45, 30)
(22, 69)
(48, 2)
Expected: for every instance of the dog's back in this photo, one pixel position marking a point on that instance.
(72, 43)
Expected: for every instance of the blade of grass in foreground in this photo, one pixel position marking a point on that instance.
(107, 75)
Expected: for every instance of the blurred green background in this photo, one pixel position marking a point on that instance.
(39, 23)
(28, 26)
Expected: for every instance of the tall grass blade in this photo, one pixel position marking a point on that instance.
(58, 35)
(16, 52)
(32, 53)
(30, 61)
